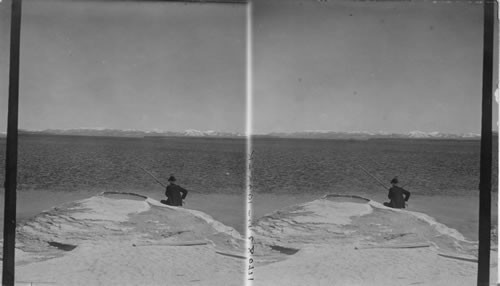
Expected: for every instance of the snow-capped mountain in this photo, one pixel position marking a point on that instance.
(436, 134)
(323, 134)
(131, 133)
(210, 133)
(312, 134)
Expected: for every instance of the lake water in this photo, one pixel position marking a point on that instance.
(208, 165)
(57, 169)
(426, 167)
(72, 163)
(442, 175)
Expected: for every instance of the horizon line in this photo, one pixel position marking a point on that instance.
(378, 132)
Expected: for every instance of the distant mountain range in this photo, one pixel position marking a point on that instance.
(312, 134)
(361, 135)
(132, 133)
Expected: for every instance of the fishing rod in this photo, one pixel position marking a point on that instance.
(377, 179)
(149, 173)
(157, 180)
(411, 181)
(375, 162)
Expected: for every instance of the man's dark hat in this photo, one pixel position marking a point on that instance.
(171, 179)
(395, 180)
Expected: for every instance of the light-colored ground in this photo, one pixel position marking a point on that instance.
(119, 263)
(458, 212)
(343, 265)
(361, 251)
(226, 208)
(122, 241)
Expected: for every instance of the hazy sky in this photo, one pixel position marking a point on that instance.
(168, 66)
(367, 66)
(317, 65)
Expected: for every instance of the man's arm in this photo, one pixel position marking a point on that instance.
(184, 192)
(407, 194)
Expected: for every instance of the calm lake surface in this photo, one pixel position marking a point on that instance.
(57, 169)
(72, 163)
(426, 167)
(217, 165)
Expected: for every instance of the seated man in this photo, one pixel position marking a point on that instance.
(173, 193)
(397, 195)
